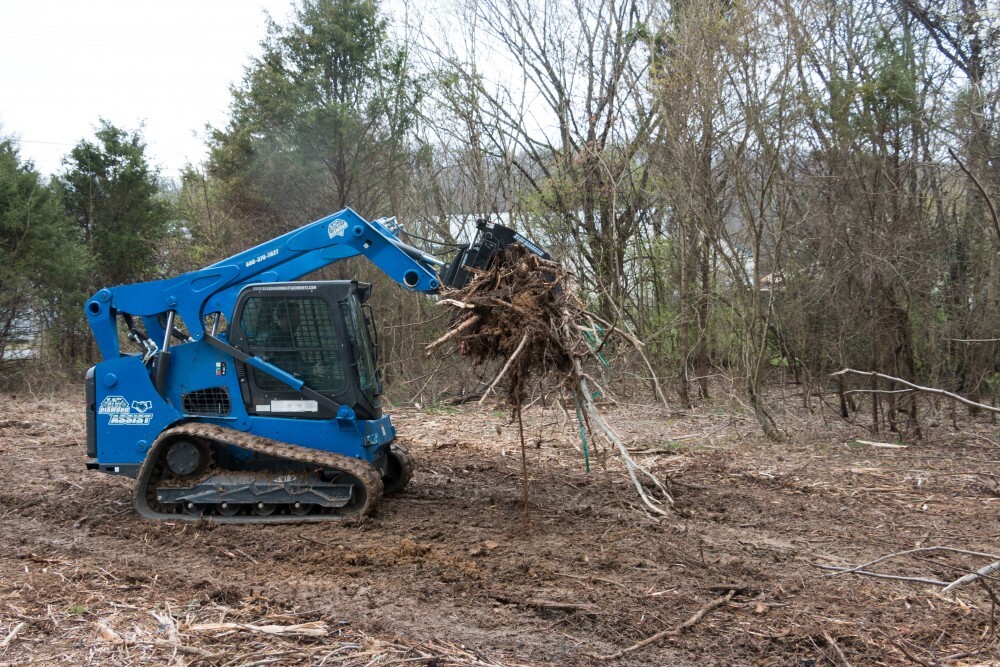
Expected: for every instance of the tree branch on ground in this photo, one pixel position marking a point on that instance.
(915, 387)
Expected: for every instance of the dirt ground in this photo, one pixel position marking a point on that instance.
(449, 574)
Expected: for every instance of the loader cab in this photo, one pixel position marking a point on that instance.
(320, 332)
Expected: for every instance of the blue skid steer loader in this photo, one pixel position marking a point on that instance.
(257, 398)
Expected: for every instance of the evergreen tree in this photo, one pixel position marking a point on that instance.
(321, 119)
(112, 194)
(42, 261)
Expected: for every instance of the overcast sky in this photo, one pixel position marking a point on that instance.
(162, 66)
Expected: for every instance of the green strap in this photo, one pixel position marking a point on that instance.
(583, 434)
(592, 341)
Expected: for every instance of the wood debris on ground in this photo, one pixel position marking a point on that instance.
(446, 575)
(125, 635)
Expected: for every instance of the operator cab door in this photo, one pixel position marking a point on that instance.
(314, 331)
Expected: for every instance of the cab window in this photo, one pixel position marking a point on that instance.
(296, 334)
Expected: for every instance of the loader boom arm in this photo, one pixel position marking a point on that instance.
(195, 295)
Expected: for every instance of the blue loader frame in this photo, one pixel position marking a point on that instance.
(133, 398)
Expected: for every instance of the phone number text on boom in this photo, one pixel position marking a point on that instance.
(269, 255)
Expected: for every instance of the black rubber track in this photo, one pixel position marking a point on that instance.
(361, 470)
(401, 464)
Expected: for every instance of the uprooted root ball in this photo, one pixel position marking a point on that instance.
(522, 312)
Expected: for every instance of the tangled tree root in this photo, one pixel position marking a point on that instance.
(523, 312)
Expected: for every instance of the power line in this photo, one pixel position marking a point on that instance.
(49, 143)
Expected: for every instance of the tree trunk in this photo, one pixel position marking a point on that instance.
(703, 334)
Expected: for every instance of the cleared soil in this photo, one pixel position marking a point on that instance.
(449, 573)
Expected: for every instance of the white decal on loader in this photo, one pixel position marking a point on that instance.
(294, 406)
(113, 405)
(336, 228)
(120, 413)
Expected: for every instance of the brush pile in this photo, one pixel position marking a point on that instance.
(523, 312)
(519, 312)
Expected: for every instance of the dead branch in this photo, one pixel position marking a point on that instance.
(311, 629)
(503, 371)
(986, 196)
(833, 644)
(920, 550)
(13, 635)
(978, 574)
(524, 455)
(916, 387)
(878, 391)
(455, 303)
(451, 334)
(913, 658)
(560, 606)
(882, 445)
(877, 575)
(673, 632)
(637, 344)
(981, 573)
(181, 648)
(630, 464)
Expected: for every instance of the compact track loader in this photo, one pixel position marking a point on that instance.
(257, 397)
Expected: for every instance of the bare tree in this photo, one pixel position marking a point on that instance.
(725, 85)
(567, 112)
(689, 81)
(967, 34)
